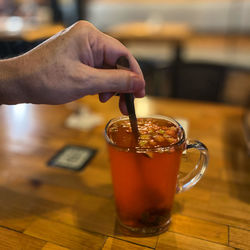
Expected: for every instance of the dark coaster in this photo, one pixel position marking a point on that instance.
(72, 157)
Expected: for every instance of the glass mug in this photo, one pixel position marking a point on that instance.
(146, 180)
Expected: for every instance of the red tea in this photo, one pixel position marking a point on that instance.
(144, 171)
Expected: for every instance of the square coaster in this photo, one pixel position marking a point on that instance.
(72, 157)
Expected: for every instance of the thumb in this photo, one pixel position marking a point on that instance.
(118, 81)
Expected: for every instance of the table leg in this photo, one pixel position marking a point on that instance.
(176, 68)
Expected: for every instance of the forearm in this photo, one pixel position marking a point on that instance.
(67, 67)
(12, 87)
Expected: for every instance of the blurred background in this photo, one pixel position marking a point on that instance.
(189, 49)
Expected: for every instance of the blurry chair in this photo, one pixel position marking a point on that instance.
(68, 12)
(197, 80)
(17, 47)
(56, 10)
(237, 87)
(200, 81)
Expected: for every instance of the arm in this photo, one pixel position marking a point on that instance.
(12, 90)
(68, 66)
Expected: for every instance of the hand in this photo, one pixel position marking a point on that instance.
(72, 64)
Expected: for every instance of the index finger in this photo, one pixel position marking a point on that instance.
(114, 50)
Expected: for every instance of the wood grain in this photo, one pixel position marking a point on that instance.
(52, 208)
(10, 239)
(199, 229)
(239, 238)
(64, 235)
(51, 246)
(100, 217)
(176, 241)
(115, 244)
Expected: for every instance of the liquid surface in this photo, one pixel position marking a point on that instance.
(153, 133)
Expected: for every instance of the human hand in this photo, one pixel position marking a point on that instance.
(73, 63)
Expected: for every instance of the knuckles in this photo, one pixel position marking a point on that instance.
(84, 26)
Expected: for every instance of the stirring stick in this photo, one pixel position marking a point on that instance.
(123, 63)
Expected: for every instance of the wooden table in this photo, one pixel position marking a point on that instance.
(51, 208)
(175, 34)
(17, 28)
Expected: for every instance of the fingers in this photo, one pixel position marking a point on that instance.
(122, 105)
(105, 50)
(115, 81)
(104, 97)
(115, 49)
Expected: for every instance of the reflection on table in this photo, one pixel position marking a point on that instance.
(51, 207)
(18, 28)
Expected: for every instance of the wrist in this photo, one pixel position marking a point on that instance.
(12, 81)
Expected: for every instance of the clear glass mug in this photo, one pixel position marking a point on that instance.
(146, 181)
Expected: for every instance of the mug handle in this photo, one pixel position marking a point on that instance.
(189, 180)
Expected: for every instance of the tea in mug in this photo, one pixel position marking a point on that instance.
(144, 170)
